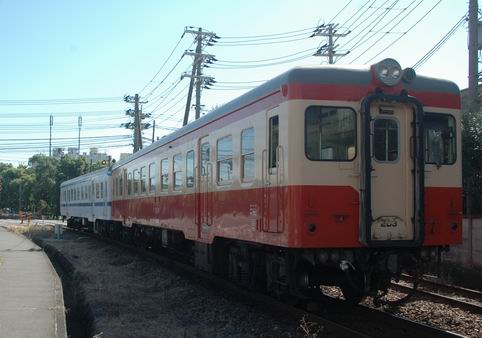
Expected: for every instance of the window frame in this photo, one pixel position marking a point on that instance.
(164, 189)
(174, 172)
(393, 118)
(226, 182)
(152, 177)
(129, 184)
(192, 167)
(143, 180)
(135, 182)
(355, 136)
(455, 138)
(245, 178)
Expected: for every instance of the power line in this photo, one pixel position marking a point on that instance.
(268, 35)
(407, 31)
(165, 62)
(439, 44)
(38, 102)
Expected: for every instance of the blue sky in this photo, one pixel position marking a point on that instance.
(104, 49)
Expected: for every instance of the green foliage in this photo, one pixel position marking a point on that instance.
(36, 187)
(472, 159)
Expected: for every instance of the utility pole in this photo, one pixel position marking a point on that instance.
(153, 130)
(328, 49)
(50, 138)
(80, 127)
(473, 56)
(203, 38)
(137, 125)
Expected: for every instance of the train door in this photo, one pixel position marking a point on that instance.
(272, 175)
(392, 178)
(204, 196)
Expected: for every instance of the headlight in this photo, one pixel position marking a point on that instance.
(389, 72)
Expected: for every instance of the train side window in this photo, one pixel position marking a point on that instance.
(205, 157)
(152, 177)
(143, 179)
(385, 140)
(190, 169)
(164, 174)
(129, 184)
(135, 181)
(273, 140)
(440, 139)
(177, 171)
(247, 154)
(330, 133)
(224, 159)
(120, 191)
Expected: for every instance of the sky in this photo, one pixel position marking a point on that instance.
(79, 58)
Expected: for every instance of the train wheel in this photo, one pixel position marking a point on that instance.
(354, 287)
(351, 294)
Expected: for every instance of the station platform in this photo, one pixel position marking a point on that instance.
(31, 298)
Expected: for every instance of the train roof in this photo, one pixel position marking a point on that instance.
(319, 74)
(78, 179)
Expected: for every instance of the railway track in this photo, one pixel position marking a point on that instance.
(337, 318)
(466, 299)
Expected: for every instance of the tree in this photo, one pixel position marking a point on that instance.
(472, 159)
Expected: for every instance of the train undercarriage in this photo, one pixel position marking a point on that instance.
(281, 272)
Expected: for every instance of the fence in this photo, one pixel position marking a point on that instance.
(469, 253)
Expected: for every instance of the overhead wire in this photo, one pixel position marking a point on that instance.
(162, 67)
(439, 44)
(405, 33)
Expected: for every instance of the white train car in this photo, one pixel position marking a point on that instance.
(87, 200)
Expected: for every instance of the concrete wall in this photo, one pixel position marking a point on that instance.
(462, 253)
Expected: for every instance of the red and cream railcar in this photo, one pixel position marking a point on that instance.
(352, 173)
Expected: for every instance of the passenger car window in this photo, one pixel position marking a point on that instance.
(177, 171)
(225, 159)
(164, 175)
(190, 168)
(143, 178)
(135, 181)
(152, 177)
(247, 153)
(440, 147)
(330, 133)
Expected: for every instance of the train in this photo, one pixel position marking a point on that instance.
(323, 175)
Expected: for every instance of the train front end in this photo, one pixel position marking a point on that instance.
(380, 186)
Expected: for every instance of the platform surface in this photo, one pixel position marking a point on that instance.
(31, 299)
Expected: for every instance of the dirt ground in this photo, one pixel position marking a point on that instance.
(131, 296)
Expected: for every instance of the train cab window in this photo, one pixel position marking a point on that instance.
(247, 154)
(101, 189)
(143, 179)
(225, 159)
(135, 182)
(273, 141)
(152, 177)
(439, 139)
(205, 158)
(177, 171)
(385, 140)
(330, 133)
(190, 169)
(97, 192)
